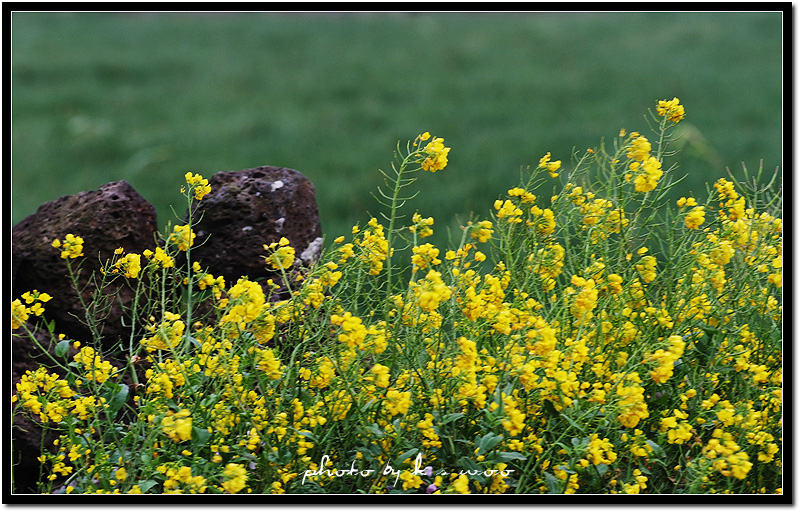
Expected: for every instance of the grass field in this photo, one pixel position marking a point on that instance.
(147, 97)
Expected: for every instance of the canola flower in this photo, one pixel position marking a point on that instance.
(71, 247)
(183, 237)
(20, 312)
(671, 109)
(167, 334)
(198, 185)
(282, 254)
(569, 353)
(434, 153)
(550, 166)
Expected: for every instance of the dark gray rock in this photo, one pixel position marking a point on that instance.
(111, 217)
(249, 208)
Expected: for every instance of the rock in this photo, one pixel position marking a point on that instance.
(111, 217)
(26, 435)
(249, 208)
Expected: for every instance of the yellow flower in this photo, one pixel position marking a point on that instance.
(508, 209)
(550, 167)
(167, 335)
(671, 109)
(130, 264)
(482, 231)
(375, 245)
(183, 237)
(178, 426)
(160, 257)
(235, 478)
(422, 227)
(397, 402)
(435, 154)
(647, 268)
(246, 302)
(281, 258)
(695, 217)
(425, 255)
(381, 375)
(461, 484)
(99, 370)
(431, 291)
(270, 364)
(72, 246)
(639, 149)
(198, 185)
(647, 180)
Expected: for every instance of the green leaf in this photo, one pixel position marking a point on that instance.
(405, 455)
(510, 456)
(657, 450)
(209, 400)
(451, 418)
(572, 422)
(147, 485)
(62, 348)
(374, 430)
(487, 443)
(200, 436)
(310, 436)
(566, 448)
(119, 397)
(553, 483)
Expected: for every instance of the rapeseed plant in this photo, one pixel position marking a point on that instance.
(593, 340)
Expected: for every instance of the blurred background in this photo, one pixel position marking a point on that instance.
(146, 97)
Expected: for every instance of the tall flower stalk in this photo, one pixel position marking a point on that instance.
(431, 158)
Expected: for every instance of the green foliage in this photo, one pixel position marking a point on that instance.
(603, 339)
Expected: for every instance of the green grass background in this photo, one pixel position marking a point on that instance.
(100, 97)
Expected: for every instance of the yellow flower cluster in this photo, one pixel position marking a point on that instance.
(356, 335)
(434, 153)
(183, 237)
(35, 387)
(180, 480)
(197, 185)
(97, 369)
(375, 247)
(645, 169)
(160, 257)
(20, 312)
(572, 361)
(167, 334)
(71, 246)
(424, 256)
(282, 256)
(421, 226)
(430, 291)
(130, 265)
(245, 303)
(666, 359)
(550, 167)
(482, 231)
(178, 426)
(671, 109)
(726, 455)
